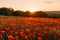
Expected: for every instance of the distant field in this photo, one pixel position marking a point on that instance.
(29, 28)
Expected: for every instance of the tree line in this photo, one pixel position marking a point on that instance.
(10, 12)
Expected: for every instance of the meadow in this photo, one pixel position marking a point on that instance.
(28, 28)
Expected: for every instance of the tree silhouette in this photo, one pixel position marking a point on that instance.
(6, 11)
(27, 13)
(18, 13)
(41, 14)
(10, 12)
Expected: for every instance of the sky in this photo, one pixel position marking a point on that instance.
(36, 5)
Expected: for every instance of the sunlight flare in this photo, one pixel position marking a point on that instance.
(32, 9)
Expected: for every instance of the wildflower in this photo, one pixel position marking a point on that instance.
(10, 37)
(39, 38)
(16, 38)
(0, 35)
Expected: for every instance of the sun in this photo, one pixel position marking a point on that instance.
(32, 9)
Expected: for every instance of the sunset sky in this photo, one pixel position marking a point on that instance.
(36, 5)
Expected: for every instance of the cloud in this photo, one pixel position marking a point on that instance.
(47, 2)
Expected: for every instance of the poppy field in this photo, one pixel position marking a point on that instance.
(18, 28)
